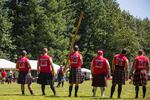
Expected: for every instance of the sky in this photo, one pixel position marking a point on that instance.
(137, 8)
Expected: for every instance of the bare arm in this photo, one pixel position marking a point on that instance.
(91, 67)
(51, 63)
(126, 68)
(108, 68)
(148, 67)
(81, 59)
(132, 68)
(113, 65)
(29, 65)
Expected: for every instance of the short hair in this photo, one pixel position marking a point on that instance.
(23, 52)
(124, 51)
(140, 52)
(76, 48)
(45, 50)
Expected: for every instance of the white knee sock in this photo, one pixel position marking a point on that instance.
(94, 91)
(102, 91)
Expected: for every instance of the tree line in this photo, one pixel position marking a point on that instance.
(33, 24)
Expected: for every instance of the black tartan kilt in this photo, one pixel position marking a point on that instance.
(45, 78)
(22, 77)
(99, 80)
(140, 78)
(76, 76)
(118, 76)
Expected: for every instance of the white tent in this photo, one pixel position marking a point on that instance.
(6, 64)
(85, 70)
(87, 73)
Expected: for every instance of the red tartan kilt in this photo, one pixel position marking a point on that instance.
(140, 78)
(76, 76)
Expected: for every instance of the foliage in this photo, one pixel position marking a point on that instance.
(6, 46)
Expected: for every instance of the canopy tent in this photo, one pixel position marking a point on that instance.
(87, 73)
(85, 70)
(6, 64)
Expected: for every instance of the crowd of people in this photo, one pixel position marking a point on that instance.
(7, 76)
(100, 70)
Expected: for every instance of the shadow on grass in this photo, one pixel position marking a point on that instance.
(90, 97)
(68, 97)
(11, 95)
(18, 95)
(107, 98)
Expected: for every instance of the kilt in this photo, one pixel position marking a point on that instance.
(45, 78)
(76, 76)
(118, 76)
(99, 80)
(22, 77)
(140, 78)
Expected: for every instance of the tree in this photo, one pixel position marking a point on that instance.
(42, 23)
(6, 46)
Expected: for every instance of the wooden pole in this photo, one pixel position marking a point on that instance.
(74, 37)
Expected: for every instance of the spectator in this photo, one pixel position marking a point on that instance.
(4, 75)
(60, 76)
(9, 76)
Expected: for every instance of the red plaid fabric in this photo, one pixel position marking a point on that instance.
(75, 76)
(140, 78)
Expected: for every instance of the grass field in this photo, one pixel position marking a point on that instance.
(12, 92)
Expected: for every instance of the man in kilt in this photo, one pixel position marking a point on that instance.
(75, 70)
(46, 71)
(23, 66)
(140, 71)
(100, 69)
(119, 71)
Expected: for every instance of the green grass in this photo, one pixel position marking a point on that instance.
(12, 92)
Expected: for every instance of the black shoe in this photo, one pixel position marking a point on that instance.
(136, 97)
(75, 95)
(23, 93)
(119, 97)
(43, 94)
(32, 94)
(69, 95)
